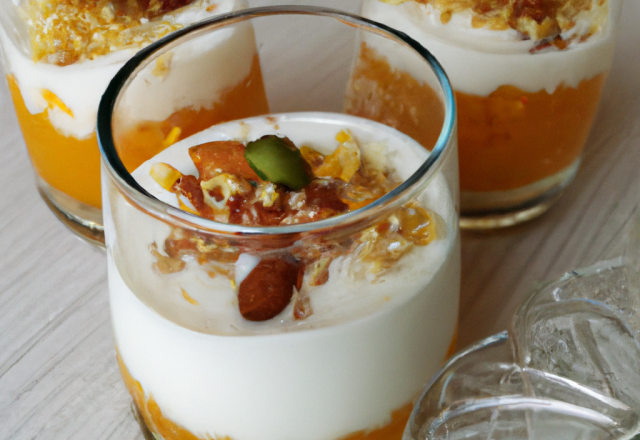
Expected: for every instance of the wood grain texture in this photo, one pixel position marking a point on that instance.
(58, 375)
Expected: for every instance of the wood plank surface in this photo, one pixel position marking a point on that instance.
(58, 375)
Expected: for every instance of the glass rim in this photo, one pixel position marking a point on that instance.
(134, 191)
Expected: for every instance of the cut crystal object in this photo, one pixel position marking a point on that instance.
(568, 368)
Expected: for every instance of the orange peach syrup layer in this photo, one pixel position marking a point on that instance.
(543, 21)
(269, 182)
(64, 32)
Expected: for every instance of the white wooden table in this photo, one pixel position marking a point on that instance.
(58, 374)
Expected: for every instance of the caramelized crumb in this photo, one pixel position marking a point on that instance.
(189, 187)
(165, 264)
(534, 19)
(64, 32)
(302, 306)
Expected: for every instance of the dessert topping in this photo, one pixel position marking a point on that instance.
(165, 175)
(533, 19)
(64, 32)
(342, 164)
(270, 183)
(214, 158)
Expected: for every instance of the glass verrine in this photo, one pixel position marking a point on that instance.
(567, 368)
(528, 78)
(59, 57)
(374, 309)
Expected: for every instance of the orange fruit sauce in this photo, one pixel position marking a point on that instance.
(68, 164)
(506, 140)
(513, 138)
(72, 165)
(394, 98)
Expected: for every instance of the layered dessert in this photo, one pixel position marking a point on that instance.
(60, 56)
(527, 75)
(229, 324)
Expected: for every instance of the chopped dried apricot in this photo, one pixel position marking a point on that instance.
(172, 137)
(215, 158)
(165, 175)
(342, 164)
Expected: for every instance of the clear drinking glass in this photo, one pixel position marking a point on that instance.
(569, 368)
(374, 316)
(59, 57)
(528, 78)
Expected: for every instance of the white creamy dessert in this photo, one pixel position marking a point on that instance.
(479, 60)
(365, 352)
(79, 86)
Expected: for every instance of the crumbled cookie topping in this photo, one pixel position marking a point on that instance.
(64, 32)
(534, 19)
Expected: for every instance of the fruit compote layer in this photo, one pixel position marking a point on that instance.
(527, 76)
(76, 48)
(380, 315)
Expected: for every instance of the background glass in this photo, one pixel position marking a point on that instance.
(58, 66)
(525, 105)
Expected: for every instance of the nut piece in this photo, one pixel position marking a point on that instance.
(277, 160)
(268, 289)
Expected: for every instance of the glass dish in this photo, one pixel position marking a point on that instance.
(383, 317)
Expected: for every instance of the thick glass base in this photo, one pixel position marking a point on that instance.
(83, 220)
(500, 209)
(146, 433)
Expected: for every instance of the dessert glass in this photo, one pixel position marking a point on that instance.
(353, 368)
(528, 78)
(566, 369)
(59, 58)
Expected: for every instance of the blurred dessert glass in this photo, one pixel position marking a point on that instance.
(59, 57)
(528, 75)
(370, 279)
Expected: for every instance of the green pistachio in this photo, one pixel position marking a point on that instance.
(277, 160)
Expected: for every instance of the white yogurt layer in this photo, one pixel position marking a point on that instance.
(367, 350)
(81, 85)
(478, 61)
